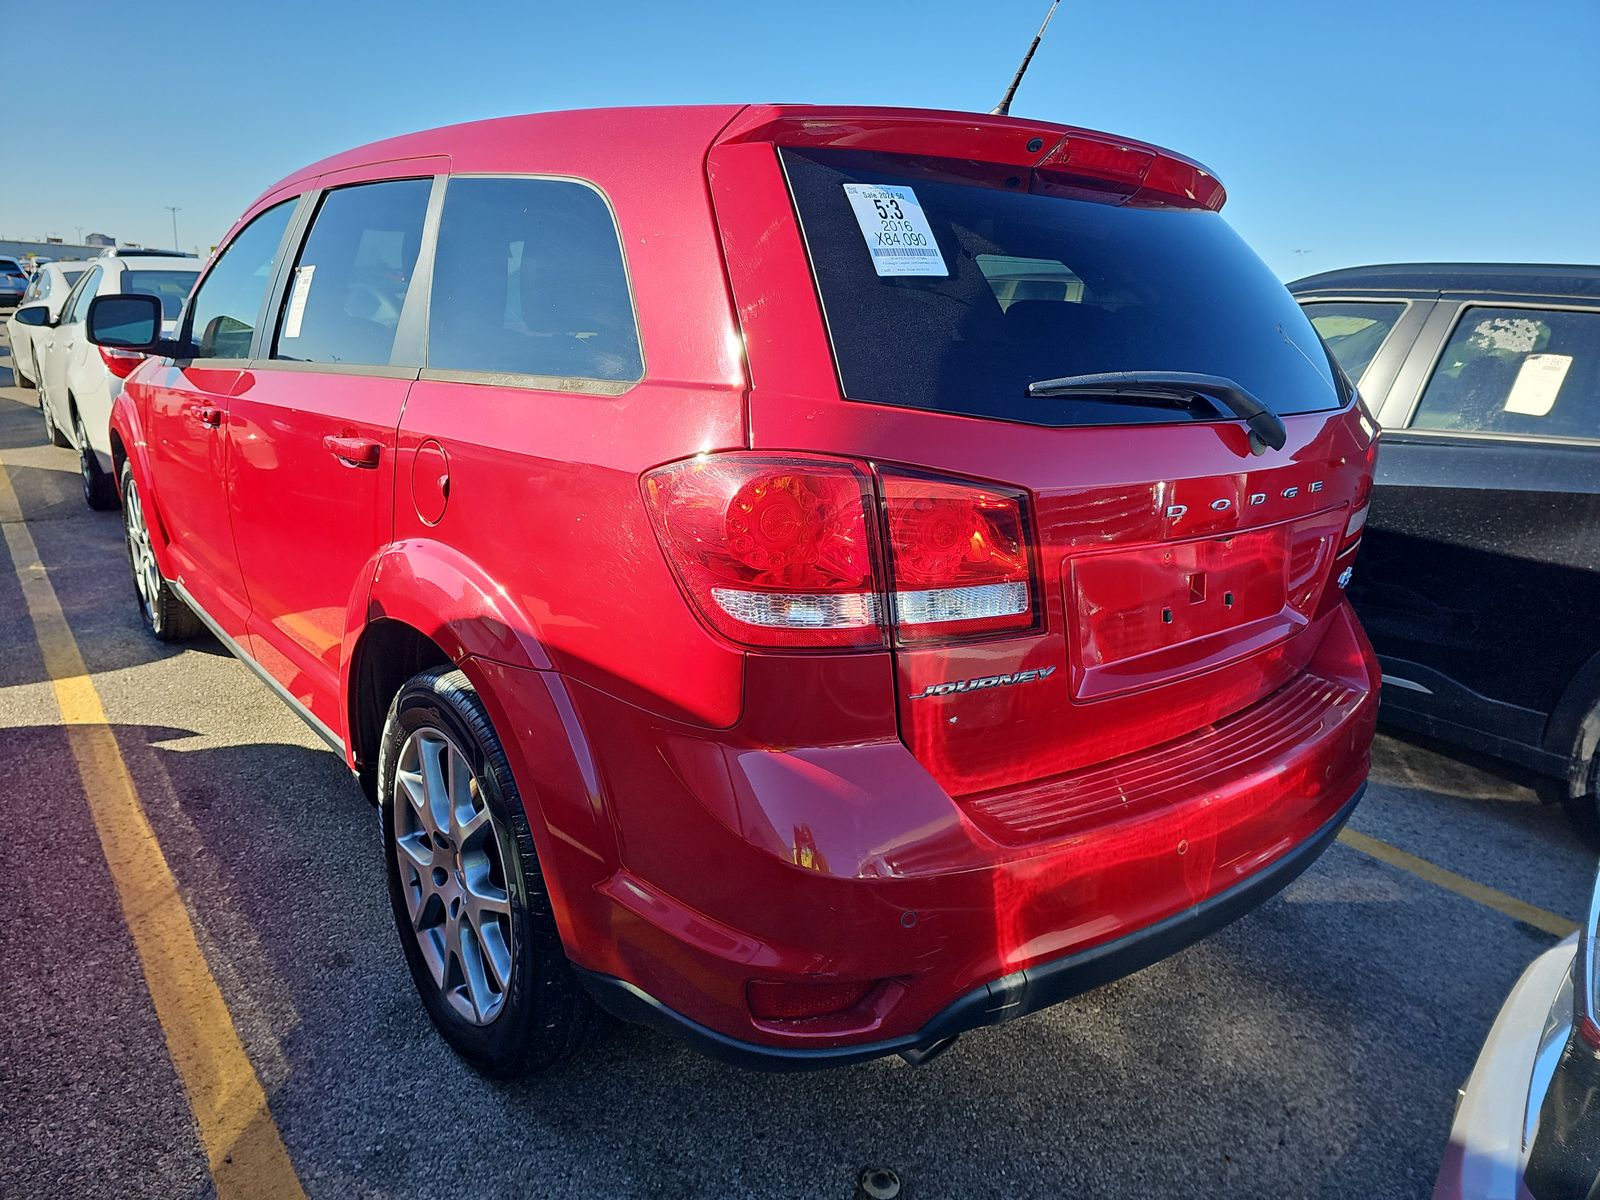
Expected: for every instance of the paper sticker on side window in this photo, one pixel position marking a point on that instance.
(297, 301)
(896, 230)
(1540, 378)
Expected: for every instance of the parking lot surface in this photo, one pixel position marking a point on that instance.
(1311, 1049)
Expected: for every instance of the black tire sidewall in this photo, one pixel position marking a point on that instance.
(97, 491)
(443, 700)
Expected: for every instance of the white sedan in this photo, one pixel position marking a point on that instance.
(47, 288)
(1527, 1124)
(79, 380)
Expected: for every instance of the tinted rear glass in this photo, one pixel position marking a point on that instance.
(528, 279)
(1034, 286)
(170, 287)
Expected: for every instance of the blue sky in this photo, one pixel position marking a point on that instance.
(1346, 131)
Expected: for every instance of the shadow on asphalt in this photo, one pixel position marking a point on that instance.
(87, 562)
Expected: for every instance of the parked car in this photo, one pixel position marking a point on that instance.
(753, 614)
(1527, 1124)
(47, 288)
(1481, 573)
(13, 281)
(142, 252)
(78, 380)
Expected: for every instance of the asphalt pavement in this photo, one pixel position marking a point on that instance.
(1311, 1049)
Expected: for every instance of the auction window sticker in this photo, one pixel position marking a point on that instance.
(896, 229)
(297, 300)
(1533, 394)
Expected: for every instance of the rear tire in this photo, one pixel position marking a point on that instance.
(469, 900)
(99, 493)
(51, 431)
(1584, 810)
(167, 618)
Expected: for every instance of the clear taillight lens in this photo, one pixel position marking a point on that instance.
(958, 558)
(773, 551)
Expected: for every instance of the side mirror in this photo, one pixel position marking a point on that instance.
(130, 322)
(37, 315)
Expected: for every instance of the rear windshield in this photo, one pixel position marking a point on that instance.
(974, 291)
(170, 287)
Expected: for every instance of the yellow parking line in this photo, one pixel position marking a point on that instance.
(241, 1140)
(1517, 910)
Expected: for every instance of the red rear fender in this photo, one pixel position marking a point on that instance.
(446, 595)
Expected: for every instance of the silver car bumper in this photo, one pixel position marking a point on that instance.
(1498, 1112)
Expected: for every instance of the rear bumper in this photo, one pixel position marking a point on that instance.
(738, 859)
(1006, 998)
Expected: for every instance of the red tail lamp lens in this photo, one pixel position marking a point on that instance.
(1362, 502)
(120, 362)
(958, 558)
(774, 1001)
(774, 552)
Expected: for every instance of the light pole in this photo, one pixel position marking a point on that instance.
(174, 210)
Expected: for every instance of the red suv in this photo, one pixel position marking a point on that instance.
(817, 580)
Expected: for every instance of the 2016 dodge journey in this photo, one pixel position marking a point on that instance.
(817, 580)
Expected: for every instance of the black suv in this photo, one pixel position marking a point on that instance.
(1479, 577)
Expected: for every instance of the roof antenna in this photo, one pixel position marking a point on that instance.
(1004, 107)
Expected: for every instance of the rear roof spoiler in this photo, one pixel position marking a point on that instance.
(1145, 172)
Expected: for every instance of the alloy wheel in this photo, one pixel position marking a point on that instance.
(146, 575)
(452, 874)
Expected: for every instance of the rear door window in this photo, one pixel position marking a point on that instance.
(1014, 286)
(1355, 330)
(170, 287)
(528, 279)
(344, 297)
(225, 309)
(78, 302)
(1524, 371)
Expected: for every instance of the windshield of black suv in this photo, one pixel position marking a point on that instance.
(951, 286)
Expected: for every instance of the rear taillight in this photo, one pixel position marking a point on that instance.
(784, 551)
(773, 551)
(958, 558)
(120, 362)
(1361, 504)
(1586, 973)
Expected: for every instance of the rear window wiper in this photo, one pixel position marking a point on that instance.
(1266, 427)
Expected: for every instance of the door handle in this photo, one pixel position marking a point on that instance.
(210, 417)
(353, 451)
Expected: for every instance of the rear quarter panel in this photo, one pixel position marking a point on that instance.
(544, 494)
